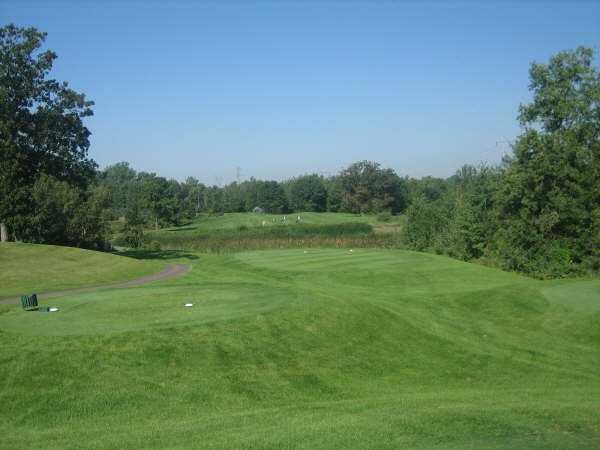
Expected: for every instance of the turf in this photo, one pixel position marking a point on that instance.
(235, 232)
(309, 349)
(206, 223)
(28, 268)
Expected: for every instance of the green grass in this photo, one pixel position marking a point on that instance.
(27, 268)
(323, 349)
(207, 223)
(249, 231)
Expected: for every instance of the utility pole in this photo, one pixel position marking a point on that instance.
(238, 174)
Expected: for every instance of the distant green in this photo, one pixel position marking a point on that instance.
(316, 348)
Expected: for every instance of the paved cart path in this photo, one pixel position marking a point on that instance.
(167, 273)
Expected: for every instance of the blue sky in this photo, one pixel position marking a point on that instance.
(283, 88)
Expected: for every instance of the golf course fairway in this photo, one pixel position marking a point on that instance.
(310, 349)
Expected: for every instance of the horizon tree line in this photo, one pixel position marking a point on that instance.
(537, 212)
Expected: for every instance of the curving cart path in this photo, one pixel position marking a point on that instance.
(167, 273)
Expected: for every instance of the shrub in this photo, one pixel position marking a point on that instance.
(132, 237)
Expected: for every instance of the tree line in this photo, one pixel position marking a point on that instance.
(537, 212)
(363, 187)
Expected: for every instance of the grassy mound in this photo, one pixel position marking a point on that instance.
(317, 348)
(26, 268)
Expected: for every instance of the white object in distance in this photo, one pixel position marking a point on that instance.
(188, 305)
(53, 309)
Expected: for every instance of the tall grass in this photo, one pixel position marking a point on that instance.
(256, 238)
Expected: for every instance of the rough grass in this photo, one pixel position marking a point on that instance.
(323, 349)
(206, 222)
(249, 231)
(28, 268)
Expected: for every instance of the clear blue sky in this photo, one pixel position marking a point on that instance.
(282, 88)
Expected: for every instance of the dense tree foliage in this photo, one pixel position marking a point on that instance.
(457, 217)
(118, 180)
(308, 193)
(368, 188)
(549, 201)
(540, 212)
(364, 187)
(41, 135)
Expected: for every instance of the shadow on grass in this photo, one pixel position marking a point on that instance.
(164, 255)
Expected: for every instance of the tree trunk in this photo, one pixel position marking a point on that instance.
(3, 232)
(156, 223)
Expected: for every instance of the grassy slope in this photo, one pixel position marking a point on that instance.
(26, 268)
(324, 349)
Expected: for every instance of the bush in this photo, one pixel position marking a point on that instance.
(132, 236)
(592, 264)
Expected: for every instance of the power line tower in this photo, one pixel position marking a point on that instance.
(238, 174)
(505, 142)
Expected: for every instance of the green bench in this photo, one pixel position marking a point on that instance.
(29, 302)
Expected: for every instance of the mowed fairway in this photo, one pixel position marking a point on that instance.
(319, 348)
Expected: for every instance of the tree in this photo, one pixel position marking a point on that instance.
(233, 198)
(429, 187)
(41, 127)
(67, 215)
(118, 180)
(271, 197)
(334, 194)
(550, 193)
(368, 188)
(308, 193)
(133, 229)
(426, 223)
(456, 217)
(194, 198)
(160, 198)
